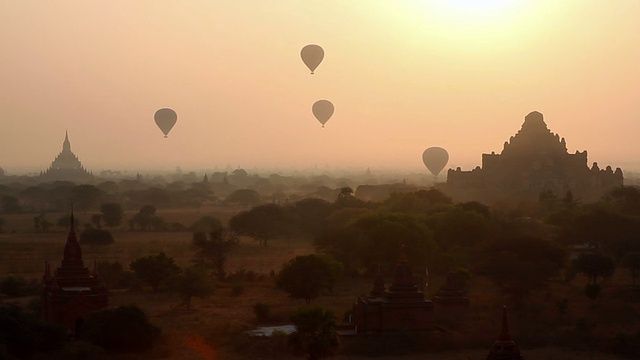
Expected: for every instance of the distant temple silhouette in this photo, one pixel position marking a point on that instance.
(71, 293)
(532, 161)
(66, 165)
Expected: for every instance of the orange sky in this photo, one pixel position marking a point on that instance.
(402, 75)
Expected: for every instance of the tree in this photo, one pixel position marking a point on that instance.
(155, 270)
(624, 199)
(215, 249)
(520, 265)
(123, 329)
(315, 333)
(206, 224)
(631, 261)
(194, 281)
(41, 224)
(243, 197)
(420, 202)
(346, 198)
(96, 236)
(111, 214)
(306, 276)
(96, 220)
(22, 335)
(262, 222)
(85, 196)
(146, 219)
(594, 265)
(10, 204)
(386, 233)
(2, 224)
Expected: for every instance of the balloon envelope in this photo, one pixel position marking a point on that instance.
(322, 110)
(435, 158)
(312, 56)
(165, 119)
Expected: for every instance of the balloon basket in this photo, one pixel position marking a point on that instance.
(165, 136)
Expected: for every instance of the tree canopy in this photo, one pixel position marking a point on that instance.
(307, 276)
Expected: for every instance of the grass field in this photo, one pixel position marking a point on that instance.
(210, 329)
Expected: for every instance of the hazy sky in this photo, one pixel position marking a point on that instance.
(403, 76)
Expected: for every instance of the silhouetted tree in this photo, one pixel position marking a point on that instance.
(111, 214)
(96, 220)
(35, 197)
(385, 233)
(262, 222)
(624, 199)
(594, 265)
(213, 251)
(146, 219)
(85, 196)
(22, 335)
(123, 329)
(315, 333)
(305, 277)
(520, 265)
(243, 197)
(10, 204)
(155, 270)
(41, 224)
(631, 261)
(419, 202)
(96, 236)
(346, 199)
(206, 224)
(194, 282)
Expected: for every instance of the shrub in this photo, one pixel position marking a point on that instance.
(14, 286)
(96, 237)
(123, 329)
(23, 335)
(262, 312)
(592, 291)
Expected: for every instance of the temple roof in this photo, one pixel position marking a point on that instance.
(504, 348)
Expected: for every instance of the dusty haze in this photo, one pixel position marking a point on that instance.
(403, 76)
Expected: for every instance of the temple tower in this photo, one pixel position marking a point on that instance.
(401, 307)
(66, 166)
(72, 292)
(504, 348)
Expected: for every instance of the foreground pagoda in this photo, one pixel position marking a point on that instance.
(504, 348)
(401, 307)
(72, 292)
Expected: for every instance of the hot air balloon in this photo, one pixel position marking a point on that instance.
(165, 119)
(435, 158)
(322, 110)
(312, 56)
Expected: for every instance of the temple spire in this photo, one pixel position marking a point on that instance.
(66, 145)
(72, 251)
(504, 348)
(504, 330)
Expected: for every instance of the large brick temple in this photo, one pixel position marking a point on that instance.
(532, 161)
